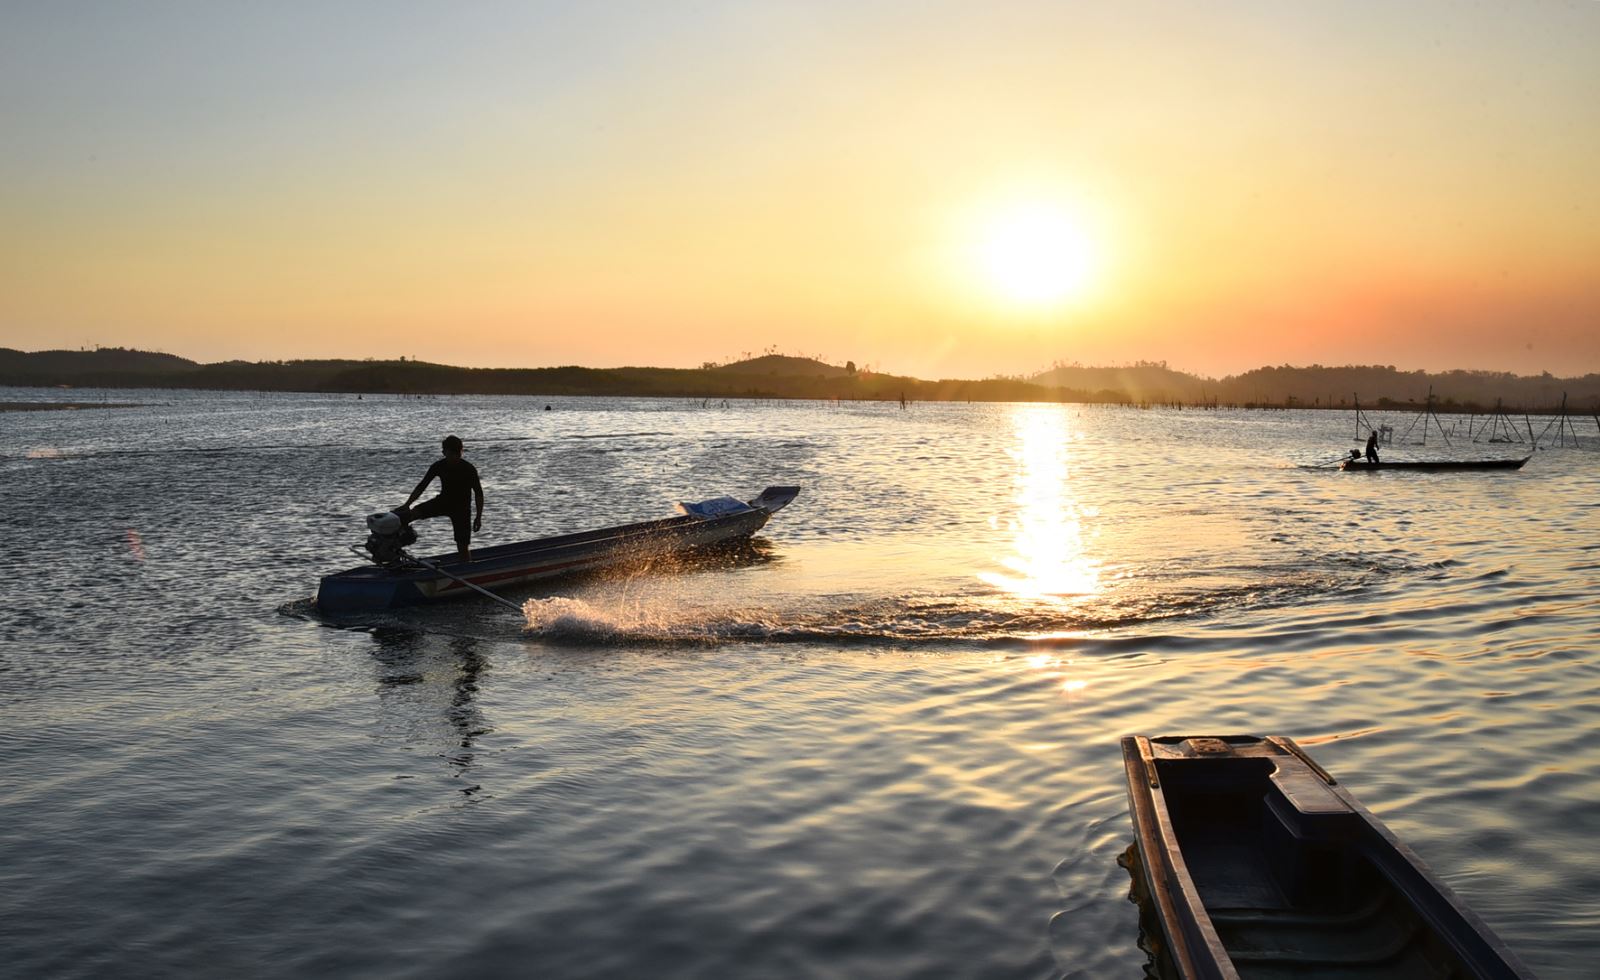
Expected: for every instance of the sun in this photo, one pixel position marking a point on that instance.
(1035, 256)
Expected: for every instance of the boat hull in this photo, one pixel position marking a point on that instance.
(1256, 863)
(370, 587)
(1435, 466)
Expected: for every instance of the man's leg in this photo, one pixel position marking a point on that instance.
(422, 511)
(461, 523)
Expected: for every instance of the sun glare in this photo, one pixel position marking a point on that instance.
(1035, 256)
(1049, 558)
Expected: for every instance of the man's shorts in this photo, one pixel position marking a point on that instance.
(460, 516)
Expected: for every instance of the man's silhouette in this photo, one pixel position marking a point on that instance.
(458, 481)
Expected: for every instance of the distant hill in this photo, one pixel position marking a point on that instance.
(1386, 386)
(87, 367)
(781, 376)
(1336, 387)
(770, 376)
(783, 364)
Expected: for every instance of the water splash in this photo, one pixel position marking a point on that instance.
(575, 620)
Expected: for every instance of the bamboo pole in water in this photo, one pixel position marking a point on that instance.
(1566, 423)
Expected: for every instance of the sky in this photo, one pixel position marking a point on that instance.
(930, 188)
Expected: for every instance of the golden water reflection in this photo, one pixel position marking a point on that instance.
(1048, 557)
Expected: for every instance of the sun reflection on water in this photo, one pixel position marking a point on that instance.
(1048, 559)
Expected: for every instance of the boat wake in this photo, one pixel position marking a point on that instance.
(1178, 604)
(956, 621)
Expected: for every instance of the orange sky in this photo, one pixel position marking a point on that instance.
(1255, 182)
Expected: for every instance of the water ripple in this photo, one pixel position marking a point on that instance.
(882, 743)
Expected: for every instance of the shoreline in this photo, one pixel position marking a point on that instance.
(1067, 398)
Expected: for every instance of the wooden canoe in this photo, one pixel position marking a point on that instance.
(1257, 864)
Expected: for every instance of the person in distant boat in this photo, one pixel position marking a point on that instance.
(458, 485)
(1372, 446)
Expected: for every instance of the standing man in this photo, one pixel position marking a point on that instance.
(457, 479)
(1372, 447)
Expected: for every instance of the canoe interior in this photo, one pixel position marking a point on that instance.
(1279, 898)
(1270, 870)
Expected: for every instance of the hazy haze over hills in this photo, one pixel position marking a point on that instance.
(1318, 385)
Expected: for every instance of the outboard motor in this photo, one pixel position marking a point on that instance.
(388, 538)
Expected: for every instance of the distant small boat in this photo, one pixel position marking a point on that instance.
(1257, 863)
(405, 582)
(1361, 465)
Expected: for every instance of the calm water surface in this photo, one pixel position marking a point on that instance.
(881, 742)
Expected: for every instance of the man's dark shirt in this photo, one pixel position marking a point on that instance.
(457, 479)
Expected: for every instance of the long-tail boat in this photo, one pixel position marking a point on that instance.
(1354, 465)
(397, 579)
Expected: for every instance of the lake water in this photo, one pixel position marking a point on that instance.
(881, 743)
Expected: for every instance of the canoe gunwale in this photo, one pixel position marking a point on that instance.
(1168, 882)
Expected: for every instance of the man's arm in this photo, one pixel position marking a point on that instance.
(427, 478)
(477, 493)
